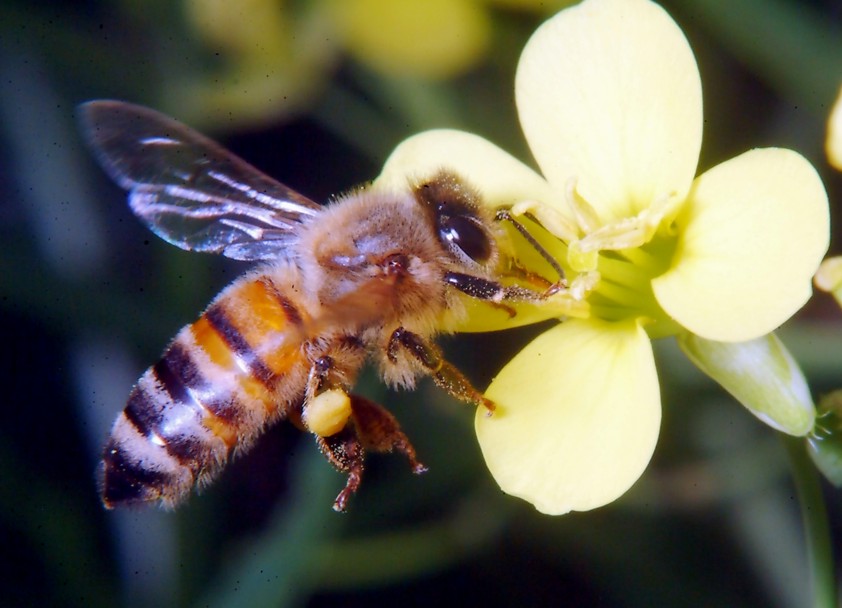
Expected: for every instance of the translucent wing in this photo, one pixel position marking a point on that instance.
(188, 189)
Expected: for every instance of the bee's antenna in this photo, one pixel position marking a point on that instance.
(506, 215)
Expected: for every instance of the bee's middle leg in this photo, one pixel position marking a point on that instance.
(444, 374)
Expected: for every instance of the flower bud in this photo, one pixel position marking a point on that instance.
(761, 374)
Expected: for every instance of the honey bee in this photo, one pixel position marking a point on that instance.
(366, 278)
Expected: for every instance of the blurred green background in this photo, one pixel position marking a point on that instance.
(317, 93)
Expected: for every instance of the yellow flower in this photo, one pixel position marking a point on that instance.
(426, 38)
(834, 134)
(421, 38)
(609, 98)
(829, 277)
(273, 56)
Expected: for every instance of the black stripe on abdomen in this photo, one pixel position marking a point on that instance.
(288, 306)
(177, 372)
(124, 480)
(182, 379)
(163, 411)
(219, 320)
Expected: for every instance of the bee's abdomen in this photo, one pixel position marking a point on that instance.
(215, 388)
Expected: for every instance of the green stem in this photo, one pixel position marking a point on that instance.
(816, 527)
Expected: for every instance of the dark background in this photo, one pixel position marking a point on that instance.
(90, 298)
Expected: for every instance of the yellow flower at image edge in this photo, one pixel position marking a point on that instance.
(833, 146)
(422, 38)
(609, 98)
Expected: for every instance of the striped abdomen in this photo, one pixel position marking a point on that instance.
(216, 387)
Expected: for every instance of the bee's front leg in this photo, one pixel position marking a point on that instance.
(444, 374)
(497, 293)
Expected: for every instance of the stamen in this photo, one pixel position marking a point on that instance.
(550, 218)
(610, 264)
(585, 215)
(579, 260)
(630, 232)
(583, 284)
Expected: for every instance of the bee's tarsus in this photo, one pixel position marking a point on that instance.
(340, 505)
(344, 451)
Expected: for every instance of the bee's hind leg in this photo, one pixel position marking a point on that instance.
(371, 428)
(344, 451)
(379, 431)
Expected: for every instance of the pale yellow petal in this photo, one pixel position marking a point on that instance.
(609, 94)
(499, 176)
(577, 418)
(834, 134)
(481, 316)
(751, 236)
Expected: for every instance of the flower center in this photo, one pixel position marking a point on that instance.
(624, 290)
(610, 265)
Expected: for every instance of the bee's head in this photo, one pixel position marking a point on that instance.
(461, 226)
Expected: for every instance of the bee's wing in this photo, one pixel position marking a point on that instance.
(188, 189)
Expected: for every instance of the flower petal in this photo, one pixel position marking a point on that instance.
(833, 146)
(609, 94)
(500, 177)
(577, 419)
(751, 235)
(474, 315)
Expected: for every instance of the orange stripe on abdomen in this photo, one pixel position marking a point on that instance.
(268, 321)
(252, 333)
(215, 388)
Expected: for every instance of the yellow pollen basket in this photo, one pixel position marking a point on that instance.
(328, 412)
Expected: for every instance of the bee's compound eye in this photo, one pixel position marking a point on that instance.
(467, 236)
